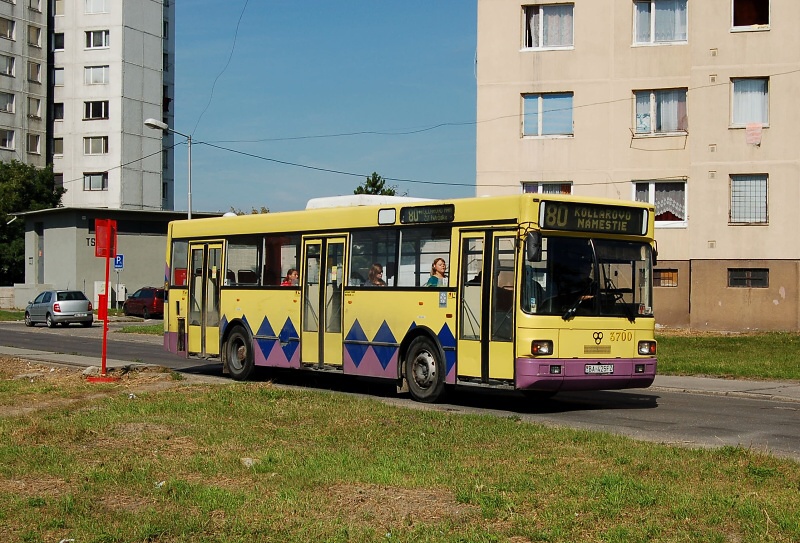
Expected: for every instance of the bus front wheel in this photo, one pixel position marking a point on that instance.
(239, 354)
(424, 370)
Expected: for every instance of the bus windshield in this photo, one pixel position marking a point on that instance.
(589, 277)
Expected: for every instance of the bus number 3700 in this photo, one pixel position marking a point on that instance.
(621, 336)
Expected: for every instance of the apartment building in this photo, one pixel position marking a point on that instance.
(23, 81)
(112, 67)
(687, 104)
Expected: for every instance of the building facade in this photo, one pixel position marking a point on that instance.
(23, 81)
(683, 103)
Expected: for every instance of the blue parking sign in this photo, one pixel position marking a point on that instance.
(118, 261)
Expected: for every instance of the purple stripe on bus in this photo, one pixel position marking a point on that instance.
(370, 365)
(535, 373)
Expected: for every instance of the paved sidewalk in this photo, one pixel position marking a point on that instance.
(788, 391)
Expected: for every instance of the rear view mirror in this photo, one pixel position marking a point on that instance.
(533, 247)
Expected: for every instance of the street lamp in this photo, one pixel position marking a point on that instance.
(159, 125)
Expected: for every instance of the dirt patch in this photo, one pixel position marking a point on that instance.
(392, 506)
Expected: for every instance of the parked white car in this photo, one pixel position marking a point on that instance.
(63, 307)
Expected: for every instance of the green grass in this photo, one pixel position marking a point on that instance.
(11, 315)
(774, 355)
(168, 467)
(149, 329)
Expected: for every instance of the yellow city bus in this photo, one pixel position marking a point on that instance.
(543, 293)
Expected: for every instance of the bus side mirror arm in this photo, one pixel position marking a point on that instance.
(533, 247)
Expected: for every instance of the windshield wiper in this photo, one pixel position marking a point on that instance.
(581, 297)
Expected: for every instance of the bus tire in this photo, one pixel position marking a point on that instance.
(239, 354)
(424, 370)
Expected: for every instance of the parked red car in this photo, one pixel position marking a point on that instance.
(147, 302)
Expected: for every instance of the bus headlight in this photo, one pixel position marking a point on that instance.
(647, 348)
(541, 347)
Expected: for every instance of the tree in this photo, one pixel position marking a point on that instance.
(253, 211)
(375, 184)
(22, 188)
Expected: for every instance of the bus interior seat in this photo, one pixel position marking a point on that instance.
(271, 277)
(230, 277)
(248, 277)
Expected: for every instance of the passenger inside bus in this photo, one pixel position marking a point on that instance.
(437, 278)
(291, 278)
(575, 286)
(375, 276)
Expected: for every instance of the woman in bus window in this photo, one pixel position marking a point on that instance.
(291, 278)
(437, 278)
(375, 276)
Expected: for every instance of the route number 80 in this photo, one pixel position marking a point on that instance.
(555, 216)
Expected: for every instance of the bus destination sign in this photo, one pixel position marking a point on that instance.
(427, 214)
(578, 217)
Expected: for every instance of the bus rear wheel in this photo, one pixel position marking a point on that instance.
(424, 370)
(239, 354)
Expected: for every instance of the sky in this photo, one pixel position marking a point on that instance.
(280, 95)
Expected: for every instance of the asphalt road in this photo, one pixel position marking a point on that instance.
(658, 415)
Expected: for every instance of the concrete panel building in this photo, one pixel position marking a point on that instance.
(686, 104)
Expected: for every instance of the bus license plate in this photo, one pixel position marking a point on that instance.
(599, 369)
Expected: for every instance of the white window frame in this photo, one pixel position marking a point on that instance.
(738, 199)
(8, 63)
(753, 27)
(34, 36)
(34, 72)
(7, 139)
(91, 143)
(58, 7)
(88, 108)
(95, 181)
(90, 74)
(651, 30)
(56, 151)
(95, 6)
(651, 199)
(55, 106)
(7, 105)
(541, 98)
(35, 5)
(738, 101)
(10, 28)
(542, 187)
(34, 112)
(652, 117)
(33, 143)
(58, 77)
(539, 13)
(97, 39)
(63, 41)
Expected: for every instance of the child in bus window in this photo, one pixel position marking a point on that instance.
(437, 278)
(375, 276)
(291, 278)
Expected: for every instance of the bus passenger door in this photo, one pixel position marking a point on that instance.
(323, 277)
(204, 309)
(487, 305)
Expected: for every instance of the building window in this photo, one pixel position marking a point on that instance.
(166, 30)
(547, 188)
(58, 146)
(7, 139)
(34, 72)
(95, 75)
(33, 144)
(165, 62)
(6, 102)
(548, 26)
(95, 181)
(750, 101)
(669, 199)
(96, 6)
(58, 179)
(96, 145)
(58, 7)
(661, 111)
(749, 13)
(748, 199)
(165, 159)
(665, 278)
(659, 21)
(748, 278)
(58, 41)
(97, 39)
(58, 77)
(7, 65)
(34, 107)
(6, 28)
(164, 191)
(547, 114)
(34, 36)
(35, 5)
(58, 111)
(95, 110)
